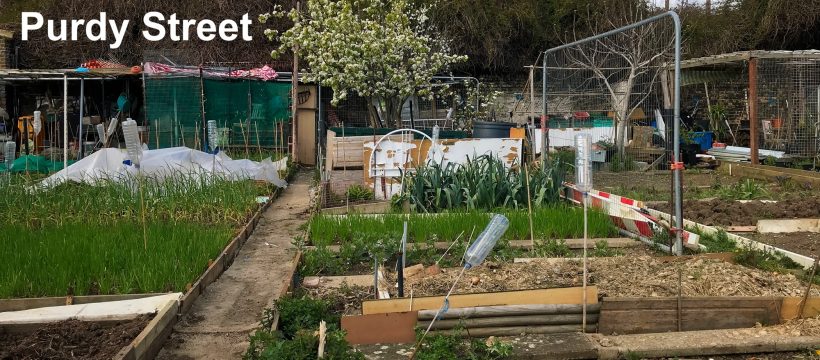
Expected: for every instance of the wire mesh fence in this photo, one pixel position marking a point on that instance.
(618, 88)
(785, 85)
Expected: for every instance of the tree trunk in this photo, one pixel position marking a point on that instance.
(620, 102)
(391, 111)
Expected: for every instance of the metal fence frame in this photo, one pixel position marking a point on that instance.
(676, 170)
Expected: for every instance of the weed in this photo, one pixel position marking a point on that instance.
(747, 189)
(552, 248)
(602, 249)
(718, 242)
(359, 192)
(455, 346)
(622, 162)
(773, 261)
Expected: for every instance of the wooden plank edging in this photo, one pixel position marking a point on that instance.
(804, 261)
(18, 304)
(150, 340)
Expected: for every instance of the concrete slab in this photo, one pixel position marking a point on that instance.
(533, 346)
(788, 225)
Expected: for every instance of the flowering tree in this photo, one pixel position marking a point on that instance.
(382, 50)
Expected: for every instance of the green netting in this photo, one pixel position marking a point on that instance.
(34, 163)
(247, 112)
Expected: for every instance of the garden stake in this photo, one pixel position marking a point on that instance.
(680, 285)
(808, 288)
(450, 247)
(529, 208)
(258, 143)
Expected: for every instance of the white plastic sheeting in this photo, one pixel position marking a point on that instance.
(108, 164)
(109, 310)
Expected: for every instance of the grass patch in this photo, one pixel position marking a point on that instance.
(559, 222)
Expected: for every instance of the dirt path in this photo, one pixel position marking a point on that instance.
(218, 325)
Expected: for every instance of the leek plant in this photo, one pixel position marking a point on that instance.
(482, 183)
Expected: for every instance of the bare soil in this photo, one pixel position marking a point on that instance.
(72, 339)
(218, 325)
(803, 243)
(718, 212)
(618, 276)
(656, 185)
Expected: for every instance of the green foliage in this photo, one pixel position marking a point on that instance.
(359, 192)
(299, 318)
(557, 222)
(748, 189)
(302, 313)
(719, 242)
(384, 51)
(455, 346)
(622, 162)
(774, 261)
(552, 248)
(188, 220)
(483, 183)
(602, 249)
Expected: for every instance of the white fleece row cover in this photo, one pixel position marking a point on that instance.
(108, 164)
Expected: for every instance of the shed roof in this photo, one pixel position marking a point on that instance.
(740, 56)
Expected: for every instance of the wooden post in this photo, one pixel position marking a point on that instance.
(322, 335)
(295, 95)
(808, 288)
(753, 109)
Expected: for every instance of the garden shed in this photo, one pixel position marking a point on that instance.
(757, 99)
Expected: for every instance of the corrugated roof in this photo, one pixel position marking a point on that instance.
(35, 74)
(746, 55)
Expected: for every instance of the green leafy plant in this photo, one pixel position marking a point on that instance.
(622, 162)
(552, 248)
(359, 192)
(773, 261)
(455, 346)
(748, 189)
(602, 249)
(296, 338)
(718, 242)
(482, 183)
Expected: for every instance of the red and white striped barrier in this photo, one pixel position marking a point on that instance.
(626, 213)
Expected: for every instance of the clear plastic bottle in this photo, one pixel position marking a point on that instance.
(132, 140)
(212, 139)
(11, 149)
(485, 242)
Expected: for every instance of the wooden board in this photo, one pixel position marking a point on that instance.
(788, 225)
(573, 295)
(770, 173)
(348, 151)
(392, 328)
(149, 342)
(33, 303)
(742, 228)
(652, 315)
(791, 306)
